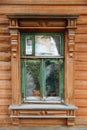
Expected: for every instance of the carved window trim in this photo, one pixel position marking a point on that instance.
(68, 25)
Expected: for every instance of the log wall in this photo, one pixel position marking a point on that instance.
(80, 58)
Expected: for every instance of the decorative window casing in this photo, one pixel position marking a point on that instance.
(41, 23)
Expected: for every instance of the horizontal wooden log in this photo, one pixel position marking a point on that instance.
(81, 47)
(80, 94)
(5, 56)
(4, 20)
(4, 110)
(81, 103)
(4, 30)
(81, 83)
(4, 38)
(80, 66)
(4, 121)
(47, 2)
(81, 112)
(43, 9)
(81, 87)
(5, 101)
(82, 20)
(81, 38)
(5, 94)
(5, 47)
(81, 29)
(5, 66)
(81, 75)
(81, 120)
(82, 57)
(5, 75)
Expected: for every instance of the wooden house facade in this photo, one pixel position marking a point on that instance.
(21, 21)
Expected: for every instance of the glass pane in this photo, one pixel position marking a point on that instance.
(32, 78)
(47, 45)
(52, 77)
(29, 46)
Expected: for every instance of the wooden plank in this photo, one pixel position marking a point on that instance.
(81, 112)
(43, 9)
(5, 47)
(5, 121)
(5, 101)
(81, 29)
(4, 20)
(4, 30)
(81, 75)
(80, 94)
(80, 82)
(81, 56)
(5, 66)
(47, 2)
(5, 83)
(44, 122)
(5, 94)
(5, 75)
(5, 56)
(81, 47)
(4, 38)
(81, 120)
(4, 110)
(81, 38)
(81, 102)
(80, 66)
(82, 20)
(81, 87)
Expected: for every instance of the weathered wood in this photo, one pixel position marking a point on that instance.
(81, 120)
(81, 102)
(81, 38)
(5, 47)
(5, 101)
(81, 94)
(5, 66)
(6, 75)
(81, 47)
(81, 75)
(43, 9)
(80, 59)
(5, 56)
(82, 112)
(82, 20)
(47, 2)
(44, 122)
(82, 29)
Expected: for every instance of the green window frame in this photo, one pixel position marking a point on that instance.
(28, 58)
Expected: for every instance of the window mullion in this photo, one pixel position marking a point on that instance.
(23, 78)
(42, 75)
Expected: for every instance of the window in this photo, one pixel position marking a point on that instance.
(42, 67)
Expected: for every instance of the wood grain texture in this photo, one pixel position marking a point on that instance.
(80, 59)
(46, 2)
(16, 9)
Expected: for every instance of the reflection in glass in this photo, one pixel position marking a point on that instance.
(32, 78)
(52, 78)
(46, 45)
(28, 46)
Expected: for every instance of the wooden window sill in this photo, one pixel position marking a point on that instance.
(42, 111)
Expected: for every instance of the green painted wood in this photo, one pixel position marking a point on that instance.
(23, 78)
(42, 67)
